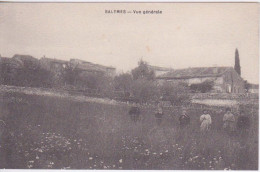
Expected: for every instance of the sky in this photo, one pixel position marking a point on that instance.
(184, 35)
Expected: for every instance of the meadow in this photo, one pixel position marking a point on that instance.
(58, 133)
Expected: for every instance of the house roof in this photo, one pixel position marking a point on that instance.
(26, 60)
(25, 57)
(196, 72)
(88, 66)
(157, 68)
(54, 60)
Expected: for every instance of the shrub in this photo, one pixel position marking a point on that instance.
(176, 93)
(203, 87)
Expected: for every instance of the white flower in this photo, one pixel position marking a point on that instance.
(90, 158)
(37, 157)
(120, 160)
(40, 150)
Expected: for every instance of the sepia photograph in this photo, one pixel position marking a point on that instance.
(129, 86)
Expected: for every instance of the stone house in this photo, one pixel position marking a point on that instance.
(91, 68)
(225, 79)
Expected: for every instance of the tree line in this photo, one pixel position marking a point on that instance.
(139, 85)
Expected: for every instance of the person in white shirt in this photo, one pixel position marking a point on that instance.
(205, 120)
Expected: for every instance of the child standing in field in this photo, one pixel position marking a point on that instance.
(184, 119)
(229, 122)
(134, 112)
(159, 113)
(205, 120)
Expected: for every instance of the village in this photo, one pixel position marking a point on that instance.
(103, 81)
(129, 86)
(74, 114)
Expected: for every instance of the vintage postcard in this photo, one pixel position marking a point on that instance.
(129, 86)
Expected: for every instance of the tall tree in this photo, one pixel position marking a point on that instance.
(237, 63)
(143, 71)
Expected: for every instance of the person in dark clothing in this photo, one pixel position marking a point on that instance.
(184, 120)
(134, 113)
(159, 113)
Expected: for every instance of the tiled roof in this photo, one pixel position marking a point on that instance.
(196, 72)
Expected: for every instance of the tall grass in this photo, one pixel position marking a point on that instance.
(59, 133)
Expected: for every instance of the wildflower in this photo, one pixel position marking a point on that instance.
(90, 158)
(195, 157)
(37, 157)
(120, 160)
(40, 150)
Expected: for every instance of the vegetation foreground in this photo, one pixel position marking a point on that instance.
(47, 132)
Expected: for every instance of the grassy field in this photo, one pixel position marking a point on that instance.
(48, 132)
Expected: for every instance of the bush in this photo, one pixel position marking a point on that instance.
(203, 87)
(176, 93)
(145, 91)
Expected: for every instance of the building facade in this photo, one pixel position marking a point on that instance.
(225, 79)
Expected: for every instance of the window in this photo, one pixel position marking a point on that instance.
(228, 88)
